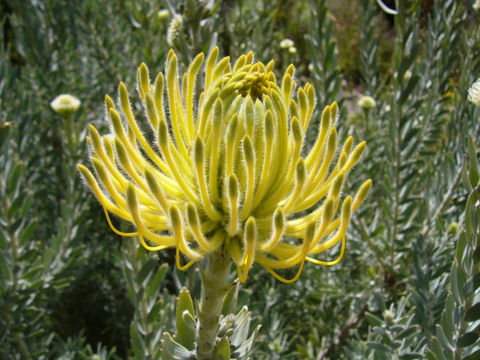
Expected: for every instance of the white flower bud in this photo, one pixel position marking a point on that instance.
(65, 104)
(474, 93)
(367, 102)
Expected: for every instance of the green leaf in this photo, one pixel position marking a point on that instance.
(185, 333)
(454, 283)
(473, 313)
(146, 270)
(27, 232)
(473, 356)
(230, 302)
(13, 178)
(379, 347)
(474, 169)
(222, 350)
(154, 284)
(407, 332)
(175, 350)
(242, 324)
(467, 339)
(437, 349)
(4, 131)
(460, 250)
(446, 331)
(411, 356)
(373, 320)
(465, 177)
(138, 346)
(469, 208)
(409, 88)
(472, 284)
(246, 346)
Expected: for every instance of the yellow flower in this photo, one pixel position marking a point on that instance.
(225, 169)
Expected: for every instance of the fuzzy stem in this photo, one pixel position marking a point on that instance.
(214, 287)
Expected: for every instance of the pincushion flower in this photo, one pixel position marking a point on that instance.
(226, 170)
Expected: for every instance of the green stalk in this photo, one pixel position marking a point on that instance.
(214, 287)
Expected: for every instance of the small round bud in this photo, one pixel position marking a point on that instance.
(367, 102)
(453, 228)
(292, 50)
(389, 316)
(476, 5)
(163, 15)
(286, 43)
(65, 104)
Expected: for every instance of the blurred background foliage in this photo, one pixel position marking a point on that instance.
(408, 287)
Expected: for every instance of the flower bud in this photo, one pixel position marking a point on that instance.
(174, 30)
(453, 228)
(163, 15)
(367, 103)
(474, 93)
(286, 43)
(65, 104)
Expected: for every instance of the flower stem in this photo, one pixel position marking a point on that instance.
(214, 287)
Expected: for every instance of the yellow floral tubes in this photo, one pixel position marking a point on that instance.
(219, 164)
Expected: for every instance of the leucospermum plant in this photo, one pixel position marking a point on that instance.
(222, 176)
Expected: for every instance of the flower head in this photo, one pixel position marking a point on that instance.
(474, 93)
(174, 29)
(476, 5)
(225, 170)
(65, 104)
(163, 15)
(286, 43)
(367, 102)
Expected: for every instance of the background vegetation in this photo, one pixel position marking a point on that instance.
(407, 289)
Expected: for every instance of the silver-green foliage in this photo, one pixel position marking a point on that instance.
(457, 333)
